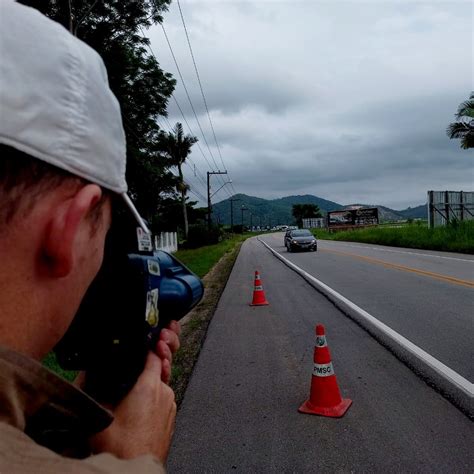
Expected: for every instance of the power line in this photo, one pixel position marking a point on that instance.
(179, 108)
(168, 122)
(191, 104)
(190, 101)
(192, 133)
(196, 172)
(192, 189)
(187, 94)
(201, 88)
(200, 84)
(190, 130)
(160, 123)
(197, 143)
(195, 192)
(198, 195)
(140, 142)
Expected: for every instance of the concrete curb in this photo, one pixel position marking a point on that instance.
(454, 387)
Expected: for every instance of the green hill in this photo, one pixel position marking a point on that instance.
(418, 212)
(267, 212)
(278, 211)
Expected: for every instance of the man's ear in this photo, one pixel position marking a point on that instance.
(65, 225)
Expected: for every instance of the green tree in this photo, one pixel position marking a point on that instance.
(463, 129)
(169, 215)
(114, 29)
(178, 146)
(305, 211)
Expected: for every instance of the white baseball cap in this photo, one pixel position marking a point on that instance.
(55, 101)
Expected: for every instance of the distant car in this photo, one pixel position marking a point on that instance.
(300, 239)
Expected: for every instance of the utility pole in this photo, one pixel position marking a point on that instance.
(232, 212)
(209, 206)
(243, 208)
(71, 29)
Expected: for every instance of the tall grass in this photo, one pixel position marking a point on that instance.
(202, 259)
(456, 237)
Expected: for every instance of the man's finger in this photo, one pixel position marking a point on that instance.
(163, 352)
(175, 326)
(152, 369)
(166, 372)
(170, 338)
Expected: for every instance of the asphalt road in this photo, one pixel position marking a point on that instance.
(240, 414)
(428, 297)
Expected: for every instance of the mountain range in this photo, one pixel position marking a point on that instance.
(278, 211)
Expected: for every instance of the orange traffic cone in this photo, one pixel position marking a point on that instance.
(325, 398)
(258, 293)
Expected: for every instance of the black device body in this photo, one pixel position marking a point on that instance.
(134, 296)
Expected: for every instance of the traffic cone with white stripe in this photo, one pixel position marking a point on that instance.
(258, 293)
(325, 398)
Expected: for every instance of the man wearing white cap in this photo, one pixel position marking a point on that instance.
(62, 159)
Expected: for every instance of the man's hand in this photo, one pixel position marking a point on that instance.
(144, 419)
(167, 345)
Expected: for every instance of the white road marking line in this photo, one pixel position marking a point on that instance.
(398, 251)
(442, 369)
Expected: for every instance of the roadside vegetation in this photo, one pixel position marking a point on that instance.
(455, 237)
(202, 259)
(51, 362)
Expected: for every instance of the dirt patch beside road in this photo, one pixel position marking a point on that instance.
(194, 325)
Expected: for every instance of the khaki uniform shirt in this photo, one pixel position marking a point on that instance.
(38, 409)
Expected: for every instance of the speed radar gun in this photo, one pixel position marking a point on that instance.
(136, 293)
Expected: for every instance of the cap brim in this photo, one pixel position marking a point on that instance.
(136, 214)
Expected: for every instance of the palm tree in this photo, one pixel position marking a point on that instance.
(464, 128)
(178, 147)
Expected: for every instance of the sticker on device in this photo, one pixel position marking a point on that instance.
(144, 241)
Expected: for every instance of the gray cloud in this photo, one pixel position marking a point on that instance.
(348, 101)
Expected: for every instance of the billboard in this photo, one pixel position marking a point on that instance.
(314, 222)
(447, 206)
(353, 217)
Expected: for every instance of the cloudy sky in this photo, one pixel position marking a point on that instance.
(346, 100)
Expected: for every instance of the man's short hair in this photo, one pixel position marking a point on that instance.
(25, 179)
